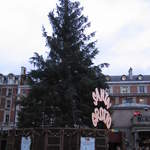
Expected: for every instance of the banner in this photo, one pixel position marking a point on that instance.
(87, 143)
(25, 143)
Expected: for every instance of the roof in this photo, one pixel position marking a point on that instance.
(125, 79)
(134, 78)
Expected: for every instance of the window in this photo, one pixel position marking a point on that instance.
(108, 78)
(142, 101)
(141, 89)
(128, 100)
(2, 102)
(10, 81)
(109, 90)
(140, 77)
(23, 91)
(117, 100)
(123, 78)
(11, 78)
(6, 118)
(124, 89)
(9, 92)
(0, 79)
(8, 103)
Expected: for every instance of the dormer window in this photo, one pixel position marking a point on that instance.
(11, 78)
(123, 78)
(107, 78)
(140, 77)
(1, 78)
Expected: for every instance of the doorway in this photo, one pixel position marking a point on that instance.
(3, 144)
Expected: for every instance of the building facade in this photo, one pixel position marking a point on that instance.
(11, 88)
(129, 88)
(130, 98)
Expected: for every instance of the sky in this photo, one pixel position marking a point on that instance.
(122, 32)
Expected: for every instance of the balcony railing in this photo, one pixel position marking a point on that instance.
(129, 94)
(141, 120)
(7, 125)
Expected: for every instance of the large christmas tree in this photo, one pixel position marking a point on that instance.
(61, 84)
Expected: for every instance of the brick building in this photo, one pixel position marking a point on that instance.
(129, 88)
(11, 87)
(130, 96)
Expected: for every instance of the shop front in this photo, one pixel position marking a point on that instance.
(144, 139)
(115, 140)
(133, 121)
(141, 131)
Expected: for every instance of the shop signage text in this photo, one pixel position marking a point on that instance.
(101, 114)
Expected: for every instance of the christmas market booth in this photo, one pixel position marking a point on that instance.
(56, 139)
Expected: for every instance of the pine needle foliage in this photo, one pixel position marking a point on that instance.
(61, 84)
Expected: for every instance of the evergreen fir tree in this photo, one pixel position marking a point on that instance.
(61, 84)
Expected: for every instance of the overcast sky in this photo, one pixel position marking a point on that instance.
(122, 30)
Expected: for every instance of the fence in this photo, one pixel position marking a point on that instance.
(56, 138)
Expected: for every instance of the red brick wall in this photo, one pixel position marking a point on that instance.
(137, 99)
(133, 89)
(15, 91)
(12, 116)
(13, 103)
(148, 100)
(3, 91)
(148, 89)
(112, 100)
(116, 89)
(1, 115)
(2, 102)
(120, 100)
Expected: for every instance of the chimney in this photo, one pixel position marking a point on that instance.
(130, 74)
(23, 75)
(23, 71)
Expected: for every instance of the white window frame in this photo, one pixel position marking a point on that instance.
(109, 90)
(6, 105)
(142, 102)
(127, 89)
(1, 81)
(129, 100)
(8, 92)
(5, 114)
(145, 88)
